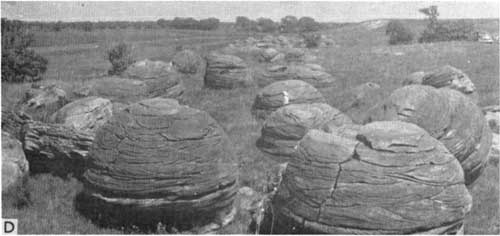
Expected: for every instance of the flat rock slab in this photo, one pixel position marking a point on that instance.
(159, 155)
(14, 164)
(310, 73)
(283, 93)
(445, 114)
(226, 72)
(86, 114)
(146, 69)
(392, 178)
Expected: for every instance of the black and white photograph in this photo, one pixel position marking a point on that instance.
(250, 117)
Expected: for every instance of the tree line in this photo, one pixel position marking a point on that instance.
(288, 24)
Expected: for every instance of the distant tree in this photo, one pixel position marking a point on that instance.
(209, 24)
(19, 63)
(308, 24)
(289, 24)
(398, 33)
(57, 26)
(87, 26)
(445, 31)
(242, 23)
(312, 40)
(266, 25)
(120, 57)
(162, 23)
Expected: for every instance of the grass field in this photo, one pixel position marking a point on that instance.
(360, 55)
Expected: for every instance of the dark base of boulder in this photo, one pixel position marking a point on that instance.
(280, 224)
(132, 218)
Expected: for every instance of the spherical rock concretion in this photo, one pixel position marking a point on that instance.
(390, 178)
(283, 93)
(86, 114)
(14, 164)
(447, 115)
(161, 156)
(286, 126)
(226, 72)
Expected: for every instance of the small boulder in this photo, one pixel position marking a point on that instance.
(268, 54)
(14, 164)
(282, 93)
(42, 101)
(355, 102)
(146, 69)
(188, 62)
(86, 114)
(226, 72)
(492, 114)
(310, 73)
(414, 78)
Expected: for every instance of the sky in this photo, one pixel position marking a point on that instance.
(338, 11)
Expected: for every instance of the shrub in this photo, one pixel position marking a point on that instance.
(19, 64)
(243, 23)
(308, 24)
(120, 57)
(191, 23)
(445, 31)
(398, 33)
(312, 40)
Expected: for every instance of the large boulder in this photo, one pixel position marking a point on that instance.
(445, 114)
(282, 93)
(161, 160)
(310, 73)
(283, 128)
(86, 114)
(388, 178)
(226, 72)
(187, 61)
(128, 91)
(14, 164)
(40, 102)
(268, 55)
(146, 69)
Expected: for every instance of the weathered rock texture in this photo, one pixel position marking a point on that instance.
(128, 91)
(226, 72)
(14, 164)
(146, 69)
(282, 93)
(86, 114)
(56, 148)
(13, 121)
(447, 115)
(161, 156)
(392, 178)
(414, 78)
(189, 62)
(39, 103)
(355, 102)
(310, 73)
(283, 129)
(492, 114)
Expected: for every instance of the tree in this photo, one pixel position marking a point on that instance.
(445, 31)
(242, 23)
(19, 64)
(209, 24)
(398, 33)
(308, 24)
(289, 24)
(266, 25)
(162, 23)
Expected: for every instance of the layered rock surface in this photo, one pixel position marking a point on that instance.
(162, 156)
(310, 73)
(14, 164)
(283, 93)
(381, 178)
(226, 72)
(147, 69)
(283, 129)
(445, 114)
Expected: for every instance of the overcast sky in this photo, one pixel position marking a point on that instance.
(228, 10)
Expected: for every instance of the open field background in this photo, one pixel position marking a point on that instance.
(360, 54)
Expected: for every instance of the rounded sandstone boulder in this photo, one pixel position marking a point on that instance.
(447, 115)
(86, 114)
(226, 72)
(389, 178)
(283, 93)
(147, 69)
(163, 158)
(286, 126)
(14, 164)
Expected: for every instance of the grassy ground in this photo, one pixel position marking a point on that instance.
(359, 56)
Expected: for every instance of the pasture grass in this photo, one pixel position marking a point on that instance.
(359, 56)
